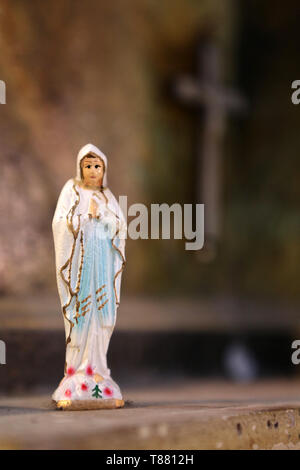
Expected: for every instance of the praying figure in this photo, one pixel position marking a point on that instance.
(89, 231)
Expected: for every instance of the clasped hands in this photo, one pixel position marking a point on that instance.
(94, 209)
(95, 213)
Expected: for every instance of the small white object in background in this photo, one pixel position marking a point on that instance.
(240, 363)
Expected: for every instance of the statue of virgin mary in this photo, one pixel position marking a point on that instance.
(89, 231)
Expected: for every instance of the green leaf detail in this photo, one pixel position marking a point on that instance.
(97, 392)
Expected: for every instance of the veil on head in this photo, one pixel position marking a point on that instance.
(83, 152)
(111, 200)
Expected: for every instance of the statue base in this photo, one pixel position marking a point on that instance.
(73, 405)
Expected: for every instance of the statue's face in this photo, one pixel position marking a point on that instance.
(92, 169)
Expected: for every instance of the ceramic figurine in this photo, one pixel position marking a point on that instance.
(89, 231)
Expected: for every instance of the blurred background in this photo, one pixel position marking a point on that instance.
(191, 102)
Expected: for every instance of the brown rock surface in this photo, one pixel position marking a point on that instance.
(194, 415)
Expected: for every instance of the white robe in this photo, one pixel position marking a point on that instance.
(90, 257)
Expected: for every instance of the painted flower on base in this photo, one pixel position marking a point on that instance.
(89, 370)
(107, 392)
(70, 371)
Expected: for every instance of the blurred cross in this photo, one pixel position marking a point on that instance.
(205, 91)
